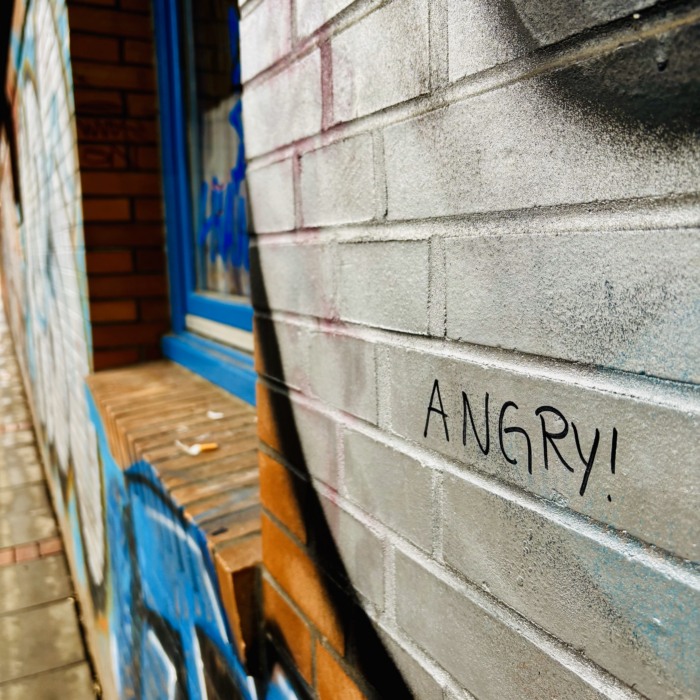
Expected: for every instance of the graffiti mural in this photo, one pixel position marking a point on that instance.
(169, 635)
(153, 635)
(44, 268)
(150, 597)
(523, 234)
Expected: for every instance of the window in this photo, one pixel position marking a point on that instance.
(204, 183)
(216, 157)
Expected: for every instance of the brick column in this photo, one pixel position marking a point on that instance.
(114, 77)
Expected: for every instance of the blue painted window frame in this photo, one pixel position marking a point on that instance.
(224, 366)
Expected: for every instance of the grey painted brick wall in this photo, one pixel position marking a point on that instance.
(381, 60)
(503, 197)
(337, 183)
(287, 106)
(265, 36)
(272, 214)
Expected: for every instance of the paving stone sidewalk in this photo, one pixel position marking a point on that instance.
(42, 655)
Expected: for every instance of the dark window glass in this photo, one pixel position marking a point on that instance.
(212, 92)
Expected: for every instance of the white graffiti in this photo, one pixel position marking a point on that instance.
(56, 321)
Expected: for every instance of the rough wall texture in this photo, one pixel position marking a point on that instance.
(116, 116)
(477, 332)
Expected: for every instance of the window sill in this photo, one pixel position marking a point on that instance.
(230, 369)
(229, 336)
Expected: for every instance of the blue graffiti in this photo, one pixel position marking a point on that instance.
(226, 227)
(169, 633)
(227, 221)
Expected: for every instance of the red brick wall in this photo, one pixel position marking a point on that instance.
(311, 617)
(116, 108)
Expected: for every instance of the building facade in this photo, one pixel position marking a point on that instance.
(448, 250)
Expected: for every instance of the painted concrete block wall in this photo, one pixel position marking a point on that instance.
(477, 325)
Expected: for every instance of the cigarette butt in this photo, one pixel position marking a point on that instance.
(194, 450)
